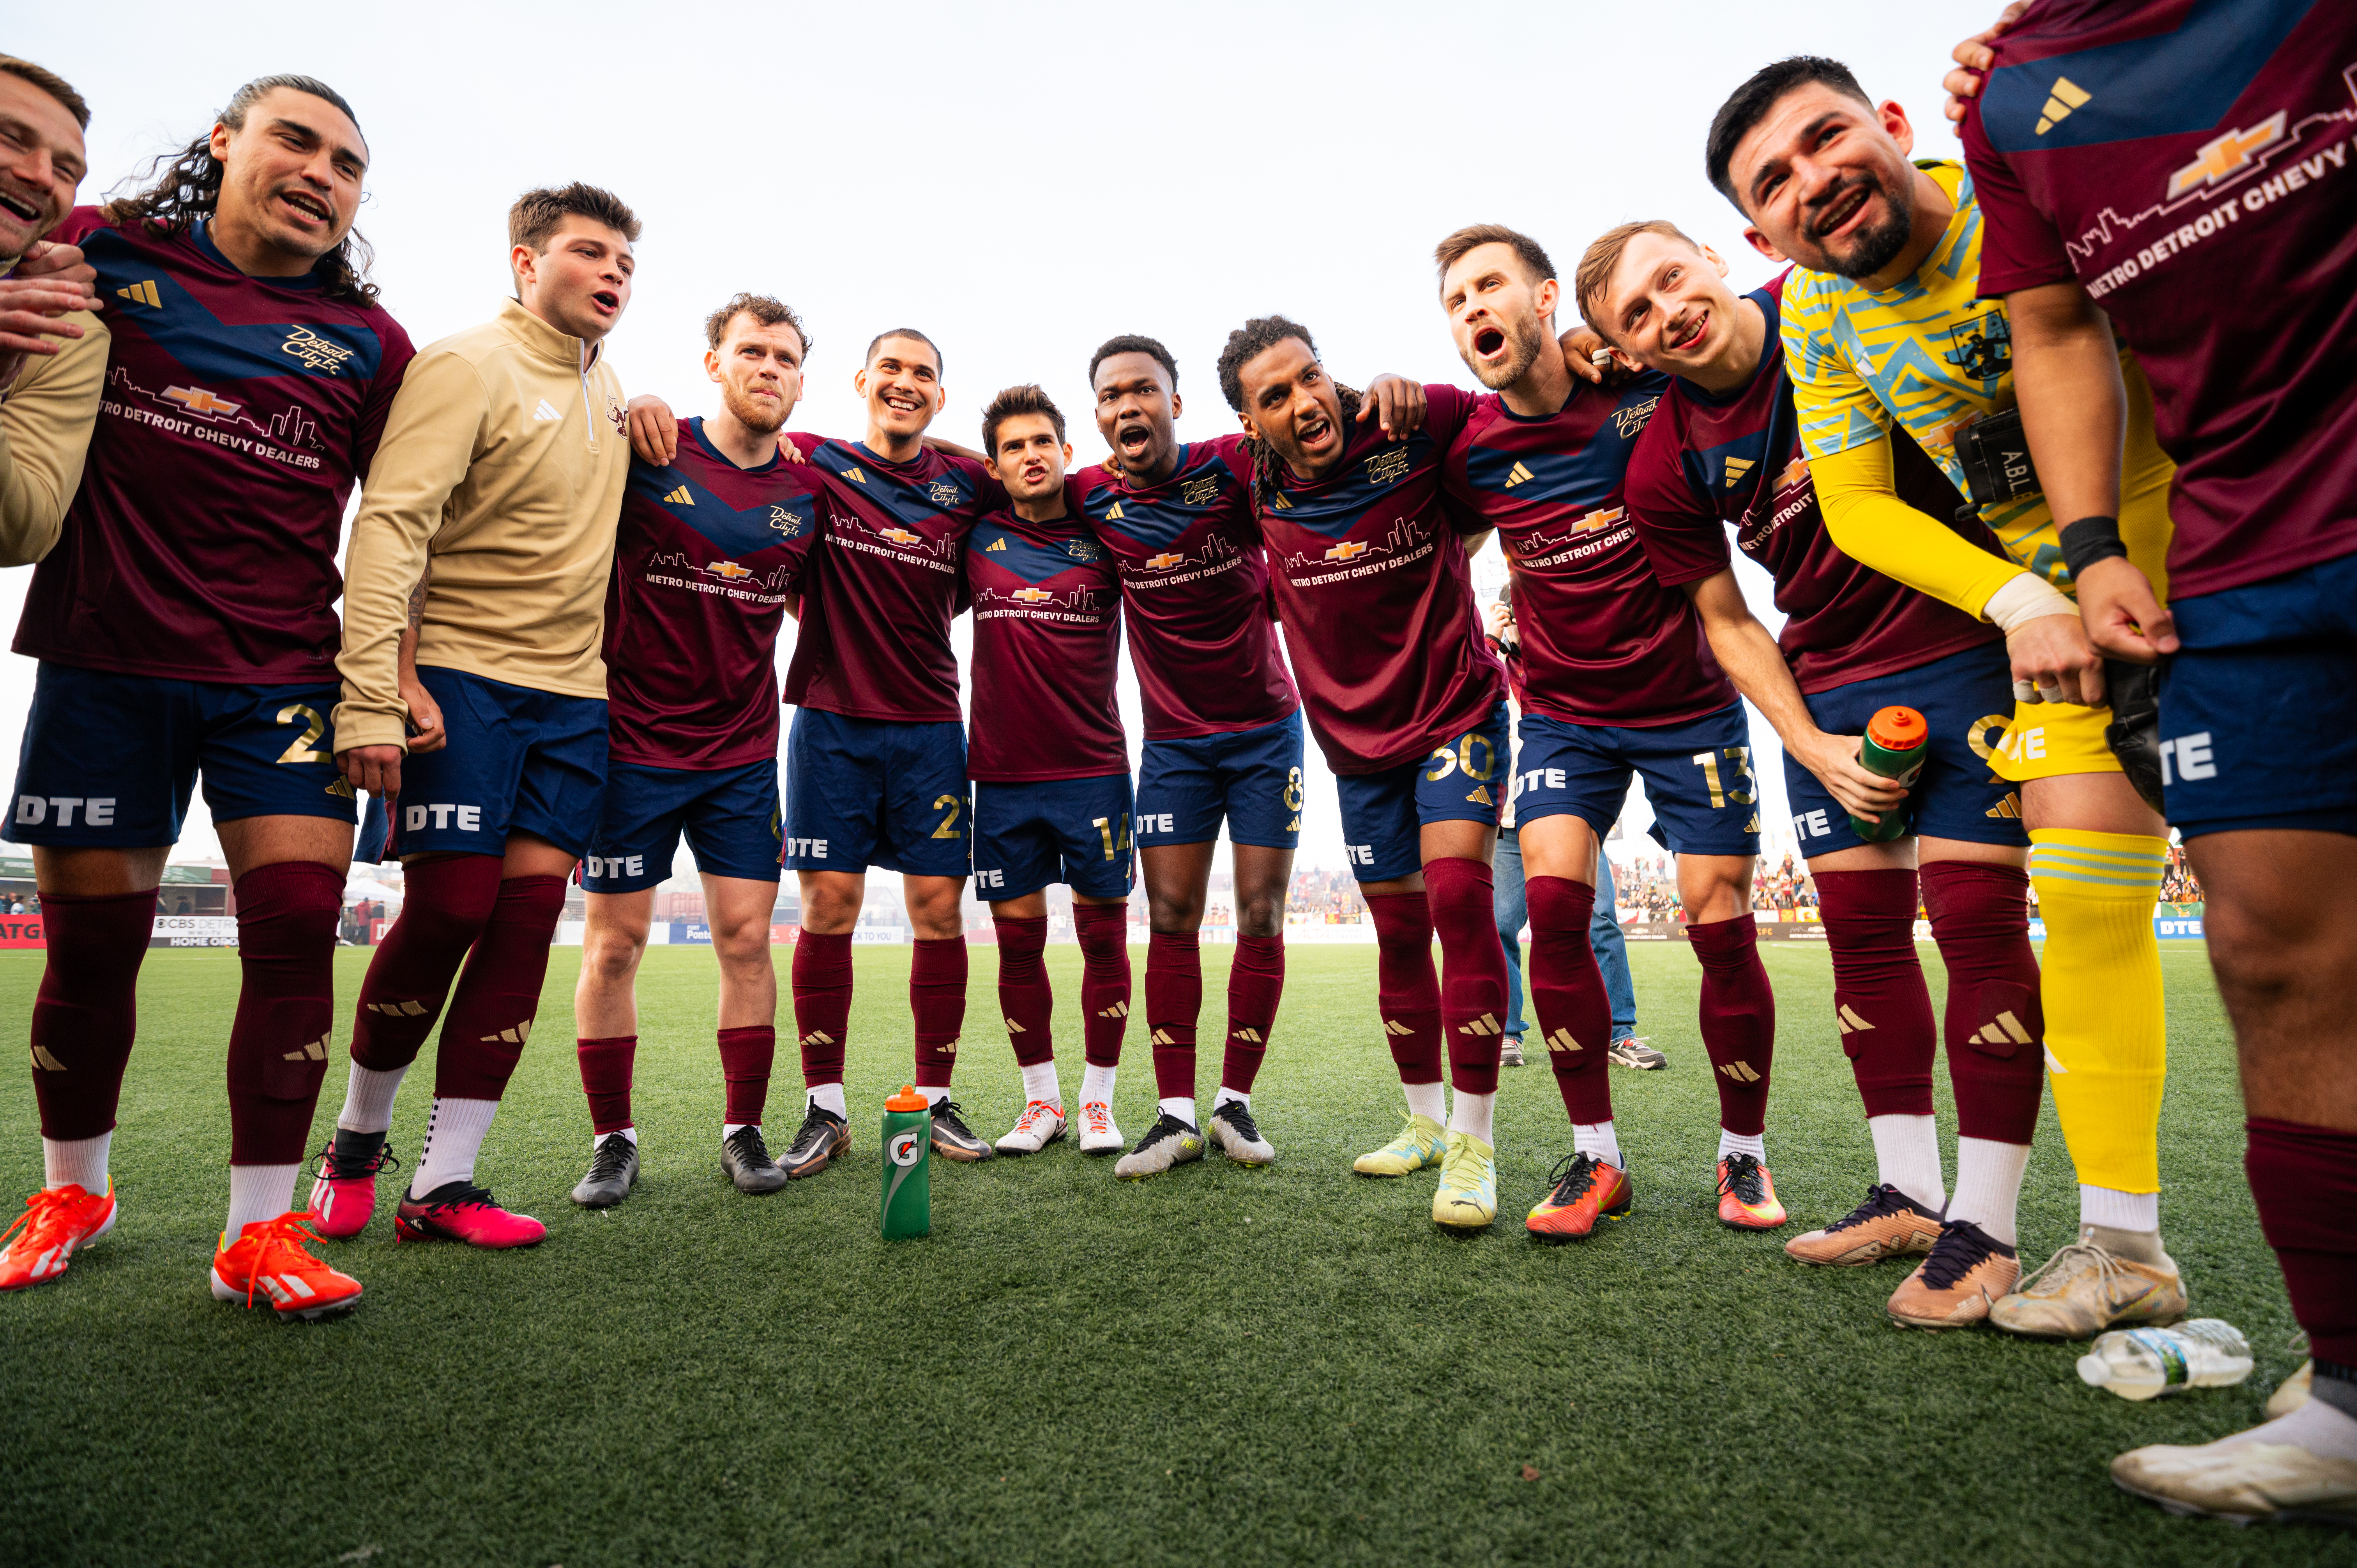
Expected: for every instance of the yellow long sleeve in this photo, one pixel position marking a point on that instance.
(1857, 493)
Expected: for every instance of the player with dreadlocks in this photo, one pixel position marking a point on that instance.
(185, 626)
(1368, 567)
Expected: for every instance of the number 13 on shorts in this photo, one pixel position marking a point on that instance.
(1721, 797)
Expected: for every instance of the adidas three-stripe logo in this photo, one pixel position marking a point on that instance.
(680, 497)
(514, 1035)
(398, 1009)
(1249, 1036)
(546, 410)
(1741, 1072)
(2006, 1031)
(1015, 1028)
(1561, 1040)
(1487, 1024)
(1847, 1016)
(1118, 1010)
(313, 1050)
(1394, 1026)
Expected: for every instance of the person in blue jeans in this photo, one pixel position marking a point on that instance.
(1611, 956)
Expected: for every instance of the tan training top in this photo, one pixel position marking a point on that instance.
(45, 422)
(502, 466)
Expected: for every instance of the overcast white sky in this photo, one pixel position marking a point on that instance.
(1021, 182)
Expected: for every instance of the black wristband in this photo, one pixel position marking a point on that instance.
(2089, 540)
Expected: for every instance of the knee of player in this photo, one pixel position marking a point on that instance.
(614, 955)
(1262, 917)
(743, 947)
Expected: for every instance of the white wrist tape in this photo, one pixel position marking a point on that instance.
(2024, 599)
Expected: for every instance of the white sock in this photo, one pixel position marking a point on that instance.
(1097, 1084)
(1227, 1094)
(727, 1130)
(2120, 1210)
(1473, 1114)
(367, 1099)
(1752, 1144)
(259, 1192)
(454, 1136)
(1988, 1185)
(77, 1162)
(1039, 1083)
(2317, 1426)
(829, 1097)
(1428, 1099)
(1182, 1107)
(1907, 1156)
(1598, 1139)
(935, 1093)
(632, 1134)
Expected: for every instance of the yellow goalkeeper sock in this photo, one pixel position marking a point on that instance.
(2106, 1039)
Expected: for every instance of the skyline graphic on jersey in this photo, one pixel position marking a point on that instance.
(779, 579)
(1082, 599)
(1405, 535)
(294, 428)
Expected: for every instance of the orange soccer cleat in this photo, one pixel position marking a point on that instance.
(56, 1222)
(271, 1258)
(1584, 1190)
(1747, 1195)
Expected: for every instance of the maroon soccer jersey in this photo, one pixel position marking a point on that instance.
(887, 580)
(1603, 641)
(1372, 584)
(1704, 461)
(237, 416)
(1196, 589)
(705, 560)
(1047, 643)
(2191, 164)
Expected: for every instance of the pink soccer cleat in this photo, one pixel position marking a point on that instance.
(458, 1211)
(343, 1185)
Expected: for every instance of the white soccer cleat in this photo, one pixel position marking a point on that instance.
(1040, 1124)
(1232, 1128)
(1098, 1134)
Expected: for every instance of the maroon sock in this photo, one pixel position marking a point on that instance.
(1256, 982)
(1464, 903)
(1406, 988)
(1881, 1004)
(1575, 1013)
(2305, 1179)
(822, 978)
(1996, 1029)
(1025, 996)
(937, 1003)
(87, 1008)
(1739, 1019)
(285, 1008)
(444, 907)
(746, 1056)
(606, 1078)
(1103, 933)
(1174, 1000)
(499, 995)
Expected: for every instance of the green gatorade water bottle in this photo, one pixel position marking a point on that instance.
(907, 1178)
(1897, 742)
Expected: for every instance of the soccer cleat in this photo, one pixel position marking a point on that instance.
(56, 1222)
(953, 1139)
(1747, 1195)
(1467, 1198)
(745, 1160)
(1423, 1142)
(2293, 1392)
(2083, 1290)
(1098, 1134)
(272, 1259)
(1510, 1051)
(343, 1182)
(1630, 1051)
(461, 1211)
(613, 1171)
(1585, 1190)
(1888, 1224)
(1232, 1128)
(1953, 1288)
(823, 1139)
(1040, 1125)
(2242, 1478)
(1170, 1142)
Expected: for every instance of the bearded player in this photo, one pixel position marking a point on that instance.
(706, 562)
(1724, 448)
(1617, 681)
(1882, 325)
(489, 525)
(1223, 726)
(253, 371)
(1049, 764)
(1368, 566)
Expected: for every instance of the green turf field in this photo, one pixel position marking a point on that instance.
(1221, 1366)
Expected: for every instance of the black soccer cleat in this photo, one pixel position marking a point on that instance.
(613, 1171)
(953, 1139)
(745, 1161)
(822, 1138)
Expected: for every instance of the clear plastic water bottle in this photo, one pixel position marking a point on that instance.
(2143, 1363)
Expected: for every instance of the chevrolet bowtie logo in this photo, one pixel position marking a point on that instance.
(1031, 595)
(996, 544)
(1163, 562)
(2067, 95)
(1516, 475)
(197, 401)
(141, 293)
(1349, 550)
(1596, 522)
(1794, 472)
(901, 536)
(729, 570)
(1737, 468)
(680, 497)
(2227, 155)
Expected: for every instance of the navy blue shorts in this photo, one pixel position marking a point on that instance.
(1967, 701)
(519, 761)
(729, 815)
(863, 793)
(1072, 831)
(1697, 774)
(110, 760)
(1383, 812)
(2258, 713)
(1249, 778)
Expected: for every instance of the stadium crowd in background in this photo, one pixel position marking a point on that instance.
(2003, 451)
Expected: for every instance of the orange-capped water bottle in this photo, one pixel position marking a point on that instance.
(1897, 743)
(908, 1175)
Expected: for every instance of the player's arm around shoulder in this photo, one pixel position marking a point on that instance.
(45, 418)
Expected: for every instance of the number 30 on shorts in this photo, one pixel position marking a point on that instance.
(1742, 794)
(1448, 759)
